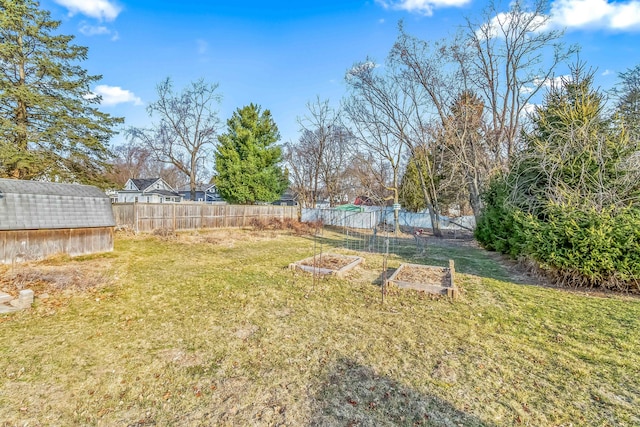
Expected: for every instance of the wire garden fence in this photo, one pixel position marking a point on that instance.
(372, 229)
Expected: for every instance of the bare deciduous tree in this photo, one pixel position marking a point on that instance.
(371, 109)
(466, 145)
(388, 113)
(187, 128)
(504, 61)
(318, 161)
(130, 161)
(512, 55)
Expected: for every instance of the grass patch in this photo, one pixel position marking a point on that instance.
(213, 329)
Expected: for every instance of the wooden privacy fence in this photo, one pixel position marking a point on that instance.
(146, 217)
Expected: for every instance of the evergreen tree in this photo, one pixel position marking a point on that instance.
(628, 101)
(247, 159)
(50, 127)
(411, 196)
(576, 155)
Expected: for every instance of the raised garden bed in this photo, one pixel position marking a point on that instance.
(326, 264)
(430, 279)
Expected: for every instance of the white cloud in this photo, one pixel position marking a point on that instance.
(114, 95)
(203, 46)
(99, 9)
(93, 30)
(362, 68)
(529, 109)
(600, 14)
(552, 82)
(606, 72)
(502, 22)
(423, 7)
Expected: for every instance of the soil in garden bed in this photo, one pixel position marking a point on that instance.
(424, 275)
(329, 261)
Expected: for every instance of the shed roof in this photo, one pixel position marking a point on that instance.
(32, 205)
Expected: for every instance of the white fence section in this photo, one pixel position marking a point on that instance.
(374, 217)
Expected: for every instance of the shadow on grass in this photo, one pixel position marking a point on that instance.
(354, 395)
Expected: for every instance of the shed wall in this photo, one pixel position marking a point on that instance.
(26, 245)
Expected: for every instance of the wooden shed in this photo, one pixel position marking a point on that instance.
(38, 219)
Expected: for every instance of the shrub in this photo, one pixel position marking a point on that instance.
(586, 248)
(498, 227)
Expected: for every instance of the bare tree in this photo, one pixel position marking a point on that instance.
(302, 169)
(627, 100)
(478, 84)
(511, 57)
(371, 110)
(130, 161)
(187, 128)
(371, 175)
(387, 112)
(466, 145)
(318, 161)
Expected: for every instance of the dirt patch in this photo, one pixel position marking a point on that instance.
(246, 331)
(51, 280)
(55, 280)
(328, 261)
(425, 275)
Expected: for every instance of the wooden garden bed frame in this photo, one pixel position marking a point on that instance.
(448, 289)
(307, 265)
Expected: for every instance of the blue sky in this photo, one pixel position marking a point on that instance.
(282, 54)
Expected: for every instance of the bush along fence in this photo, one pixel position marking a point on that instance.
(147, 217)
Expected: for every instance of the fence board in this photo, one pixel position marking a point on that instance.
(146, 217)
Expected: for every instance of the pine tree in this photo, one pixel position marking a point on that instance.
(411, 196)
(627, 92)
(50, 127)
(576, 155)
(247, 159)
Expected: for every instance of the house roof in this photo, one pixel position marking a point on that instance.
(32, 205)
(204, 188)
(144, 183)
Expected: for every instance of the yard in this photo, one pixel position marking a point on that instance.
(214, 329)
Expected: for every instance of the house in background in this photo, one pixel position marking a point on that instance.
(204, 193)
(147, 190)
(288, 198)
(39, 219)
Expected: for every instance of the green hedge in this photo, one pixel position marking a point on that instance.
(586, 247)
(572, 246)
(498, 229)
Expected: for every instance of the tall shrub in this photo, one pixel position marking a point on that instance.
(571, 199)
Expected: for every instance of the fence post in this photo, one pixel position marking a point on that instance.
(136, 226)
